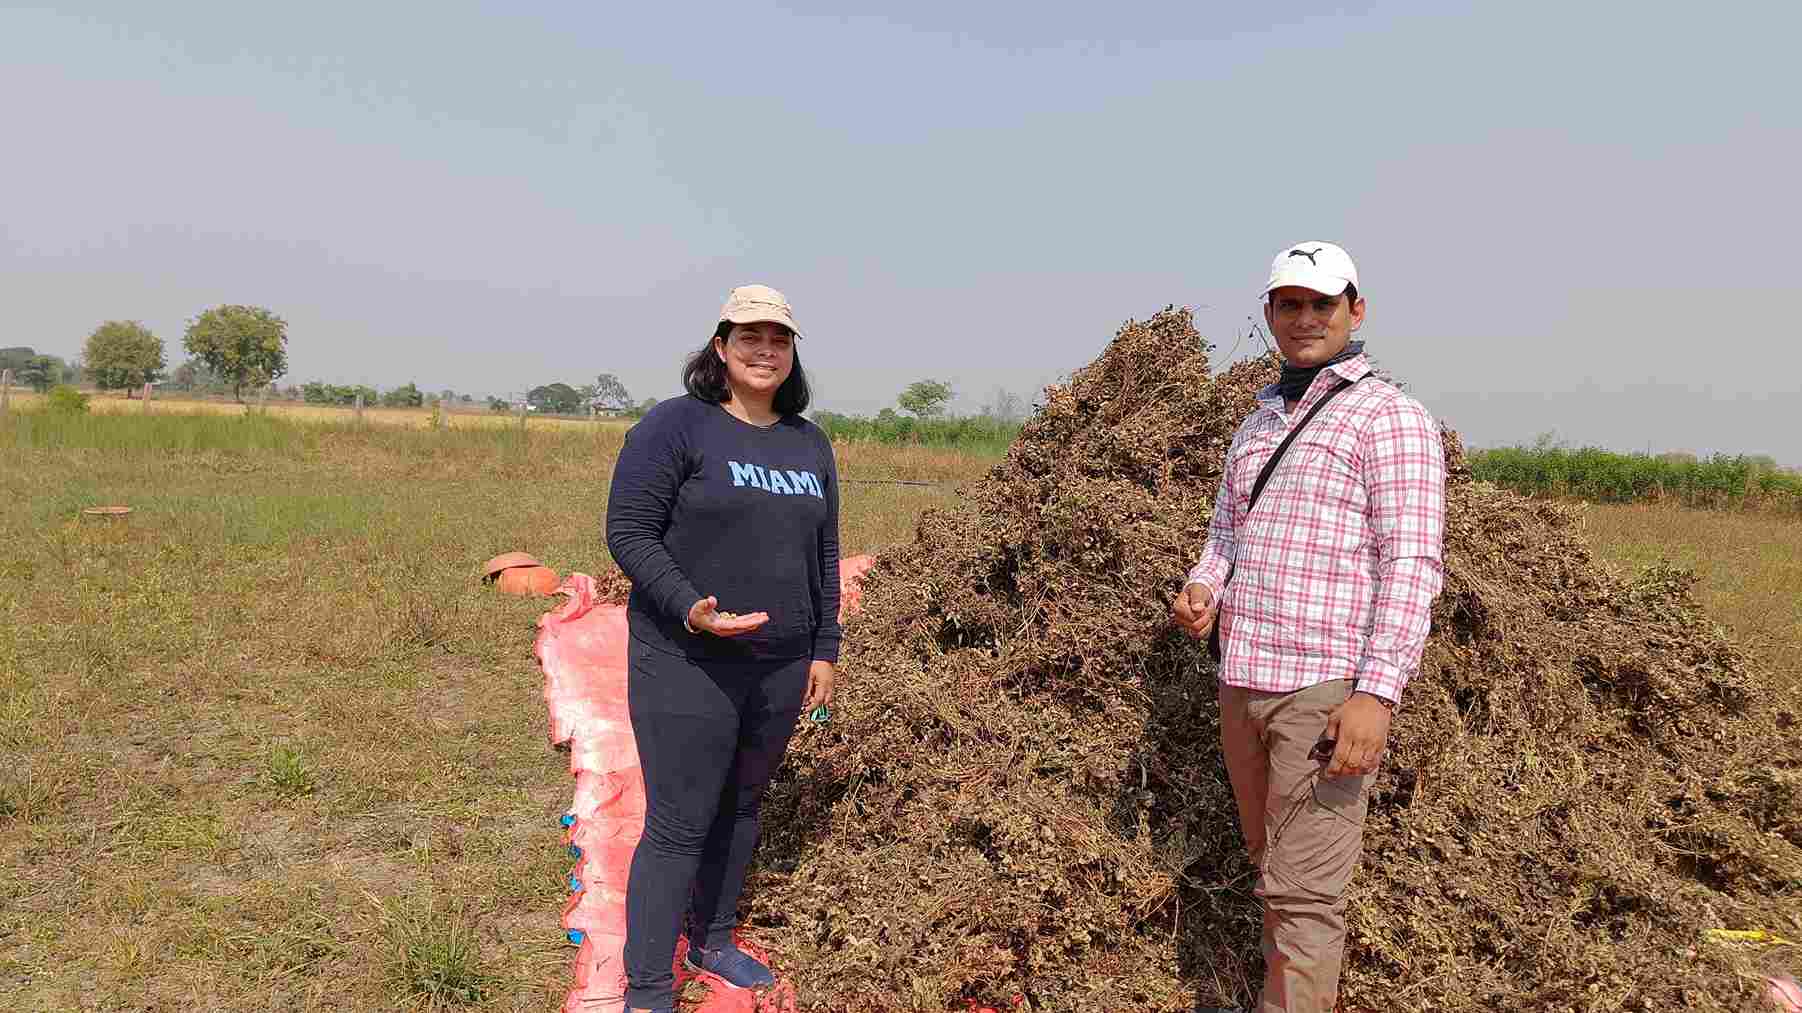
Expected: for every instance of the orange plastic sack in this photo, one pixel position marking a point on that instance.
(582, 648)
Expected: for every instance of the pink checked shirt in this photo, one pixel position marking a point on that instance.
(1339, 564)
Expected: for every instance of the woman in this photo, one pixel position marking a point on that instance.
(724, 515)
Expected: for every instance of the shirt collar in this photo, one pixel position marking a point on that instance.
(1350, 369)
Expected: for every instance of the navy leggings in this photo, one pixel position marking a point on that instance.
(709, 735)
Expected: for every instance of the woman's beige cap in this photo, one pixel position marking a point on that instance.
(757, 304)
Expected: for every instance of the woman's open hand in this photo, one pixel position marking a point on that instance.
(705, 616)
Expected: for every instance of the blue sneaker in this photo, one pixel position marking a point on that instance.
(731, 965)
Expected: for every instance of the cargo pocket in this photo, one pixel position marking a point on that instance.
(1346, 798)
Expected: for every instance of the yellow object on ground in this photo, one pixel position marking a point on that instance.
(1746, 936)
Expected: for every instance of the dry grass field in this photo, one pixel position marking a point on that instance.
(1750, 565)
(265, 743)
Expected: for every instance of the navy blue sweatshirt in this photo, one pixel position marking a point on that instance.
(704, 503)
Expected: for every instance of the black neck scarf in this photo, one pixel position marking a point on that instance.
(1297, 379)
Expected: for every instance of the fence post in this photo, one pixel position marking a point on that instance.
(359, 406)
(144, 397)
(442, 412)
(263, 400)
(6, 390)
(522, 416)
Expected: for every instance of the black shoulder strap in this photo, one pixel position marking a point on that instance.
(1270, 465)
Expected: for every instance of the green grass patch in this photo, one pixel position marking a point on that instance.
(436, 959)
(287, 774)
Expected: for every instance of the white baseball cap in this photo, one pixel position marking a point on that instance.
(1323, 267)
(754, 304)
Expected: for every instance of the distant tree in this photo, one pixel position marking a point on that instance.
(184, 376)
(466, 399)
(925, 398)
(645, 406)
(338, 394)
(1005, 406)
(247, 346)
(499, 405)
(609, 393)
(16, 357)
(447, 395)
(41, 372)
(123, 354)
(559, 398)
(406, 396)
(193, 374)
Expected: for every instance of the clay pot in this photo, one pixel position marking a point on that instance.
(520, 573)
(505, 560)
(528, 580)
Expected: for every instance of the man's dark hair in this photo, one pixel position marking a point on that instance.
(705, 377)
(1350, 293)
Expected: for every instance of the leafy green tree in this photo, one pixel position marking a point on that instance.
(123, 353)
(925, 399)
(559, 398)
(407, 396)
(41, 372)
(247, 346)
(498, 405)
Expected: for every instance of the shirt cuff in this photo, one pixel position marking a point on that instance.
(826, 650)
(1379, 679)
(1208, 575)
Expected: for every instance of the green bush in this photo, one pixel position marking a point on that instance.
(66, 400)
(1603, 476)
(974, 432)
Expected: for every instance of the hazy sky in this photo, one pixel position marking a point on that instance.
(1570, 217)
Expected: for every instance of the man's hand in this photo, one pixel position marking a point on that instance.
(1360, 726)
(704, 616)
(820, 677)
(1194, 608)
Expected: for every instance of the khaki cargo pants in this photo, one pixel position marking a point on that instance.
(1304, 833)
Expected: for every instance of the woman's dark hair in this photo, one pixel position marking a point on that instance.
(705, 377)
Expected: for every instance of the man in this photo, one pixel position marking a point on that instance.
(1323, 595)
